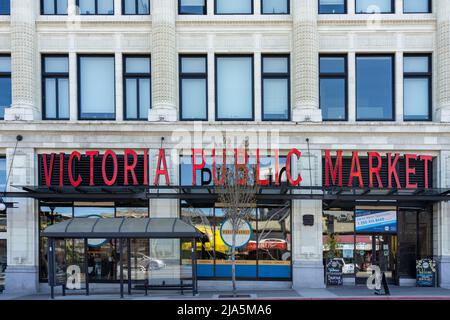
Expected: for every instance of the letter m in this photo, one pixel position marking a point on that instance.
(334, 170)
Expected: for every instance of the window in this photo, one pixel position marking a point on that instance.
(54, 7)
(375, 87)
(417, 87)
(234, 7)
(55, 85)
(333, 87)
(275, 6)
(234, 88)
(275, 87)
(332, 6)
(375, 6)
(96, 87)
(137, 78)
(197, 7)
(417, 6)
(96, 7)
(135, 7)
(5, 84)
(5, 7)
(2, 188)
(193, 88)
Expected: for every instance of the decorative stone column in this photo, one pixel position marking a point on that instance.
(305, 61)
(307, 266)
(24, 61)
(22, 274)
(442, 9)
(164, 61)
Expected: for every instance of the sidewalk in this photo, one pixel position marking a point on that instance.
(342, 293)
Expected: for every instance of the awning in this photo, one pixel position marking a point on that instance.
(91, 228)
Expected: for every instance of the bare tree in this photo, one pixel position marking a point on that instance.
(237, 192)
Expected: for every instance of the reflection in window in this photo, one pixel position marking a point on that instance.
(3, 263)
(193, 88)
(374, 6)
(93, 212)
(136, 7)
(234, 6)
(234, 91)
(275, 74)
(417, 6)
(275, 6)
(54, 7)
(195, 7)
(332, 6)
(375, 87)
(56, 87)
(96, 87)
(417, 87)
(96, 7)
(2, 173)
(333, 87)
(5, 84)
(137, 77)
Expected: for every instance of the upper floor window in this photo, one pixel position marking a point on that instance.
(96, 83)
(234, 7)
(135, 7)
(96, 7)
(275, 87)
(197, 7)
(234, 87)
(332, 6)
(54, 7)
(333, 87)
(417, 6)
(275, 6)
(5, 7)
(375, 87)
(137, 78)
(2, 173)
(5, 84)
(417, 87)
(193, 87)
(55, 81)
(375, 6)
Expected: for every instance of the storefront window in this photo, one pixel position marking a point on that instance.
(3, 263)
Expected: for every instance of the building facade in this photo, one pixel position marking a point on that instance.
(365, 76)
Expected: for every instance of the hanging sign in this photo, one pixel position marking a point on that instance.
(243, 233)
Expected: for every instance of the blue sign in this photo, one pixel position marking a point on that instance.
(374, 221)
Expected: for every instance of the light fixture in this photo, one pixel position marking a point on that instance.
(2, 206)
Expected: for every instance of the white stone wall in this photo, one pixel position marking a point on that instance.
(164, 34)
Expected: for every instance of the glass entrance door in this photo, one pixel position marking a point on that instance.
(382, 253)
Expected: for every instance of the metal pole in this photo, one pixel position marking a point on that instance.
(194, 267)
(86, 266)
(121, 266)
(129, 264)
(51, 273)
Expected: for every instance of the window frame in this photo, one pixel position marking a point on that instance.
(136, 76)
(96, 10)
(7, 14)
(430, 8)
(216, 107)
(280, 76)
(183, 76)
(392, 56)
(234, 14)
(56, 9)
(6, 75)
(279, 14)
(335, 76)
(53, 75)
(137, 10)
(391, 12)
(420, 75)
(205, 10)
(345, 8)
(79, 57)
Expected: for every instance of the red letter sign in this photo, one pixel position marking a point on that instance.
(163, 171)
(129, 168)
(374, 170)
(224, 167)
(260, 182)
(334, 171)
(73, 182)
(114, 158)
(392, 170)
(196, 166)
(241, 168)
(91, 155)
(48, 172)
(355, 174)
(288, 167)
(410, 171)
(426, 159)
